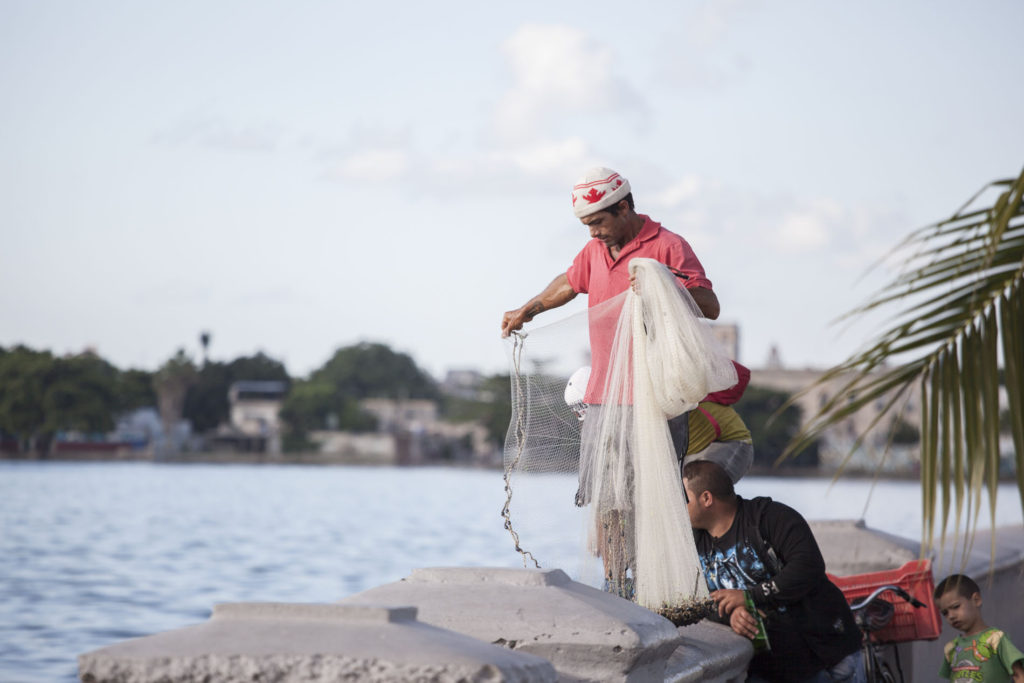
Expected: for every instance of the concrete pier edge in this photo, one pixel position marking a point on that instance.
(497, 624)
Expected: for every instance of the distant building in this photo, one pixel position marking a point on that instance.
(409, 432)
(405, 415)
(143, 428)
(376, 448)
(837, 441)
(728, 335)
(465, 384)
(254, 417)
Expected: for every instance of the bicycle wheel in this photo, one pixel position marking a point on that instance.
(869, 662)
(884, 674)
(875, 669)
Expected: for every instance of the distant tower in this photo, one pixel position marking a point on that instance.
(774, 358)
(204, 339)
(171, 383)
(728, 335)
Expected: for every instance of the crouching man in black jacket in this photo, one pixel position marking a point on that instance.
(765, 549)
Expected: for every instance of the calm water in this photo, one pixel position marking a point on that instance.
(95, 553)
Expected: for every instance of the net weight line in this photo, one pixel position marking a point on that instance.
(518, 342)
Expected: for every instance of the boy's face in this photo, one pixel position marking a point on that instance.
(963, 614)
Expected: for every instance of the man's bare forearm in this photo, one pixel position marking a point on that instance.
(558, 293)
(706, 301)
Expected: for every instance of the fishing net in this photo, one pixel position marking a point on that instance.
(653, 358)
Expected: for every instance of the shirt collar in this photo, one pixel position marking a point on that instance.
(648, 231)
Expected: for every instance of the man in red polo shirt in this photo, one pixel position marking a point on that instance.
(603, 202)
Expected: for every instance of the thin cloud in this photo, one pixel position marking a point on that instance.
(216, 133)
(700, 59)
(716, 215)
(375, 165)
(369, 154)
(549, 158)
(496, 171)
(680, 191)
(559, 70)
(806, 228)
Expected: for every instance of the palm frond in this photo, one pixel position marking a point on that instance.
(961, 289)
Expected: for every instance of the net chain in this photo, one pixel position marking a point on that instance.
(518, 342)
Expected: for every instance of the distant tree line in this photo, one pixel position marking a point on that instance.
(330, 397)
(42, 395)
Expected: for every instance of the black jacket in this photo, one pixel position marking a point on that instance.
(770, 551)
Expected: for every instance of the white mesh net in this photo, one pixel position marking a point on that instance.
(662, 360)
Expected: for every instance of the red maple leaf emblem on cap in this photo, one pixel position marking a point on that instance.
(593, 196)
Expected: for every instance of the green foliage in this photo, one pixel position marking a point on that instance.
(330, 397)
(772, 430)
(962, 292)
(80, 395)
(370, 370)
(176, 374)
(24, 377)
(133, 389)
(317, 404)
(206, 403)
(41, 395)
(308, 404)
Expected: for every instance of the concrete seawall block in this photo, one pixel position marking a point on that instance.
(586, 633)
(300, 643)
(850, 547)
(711, 653)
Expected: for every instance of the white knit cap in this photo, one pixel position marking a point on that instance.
(598, 189)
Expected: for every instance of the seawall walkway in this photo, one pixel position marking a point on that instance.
(488, 624)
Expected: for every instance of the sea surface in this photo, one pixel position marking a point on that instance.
(96, 553)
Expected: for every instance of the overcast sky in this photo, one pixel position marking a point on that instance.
(295, 177)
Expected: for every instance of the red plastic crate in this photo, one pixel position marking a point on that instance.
(908, 622)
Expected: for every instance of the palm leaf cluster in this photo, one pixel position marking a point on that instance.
(961, 295)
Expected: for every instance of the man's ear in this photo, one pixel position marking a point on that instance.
(706, 499)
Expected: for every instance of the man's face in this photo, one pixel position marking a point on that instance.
(693, 507)
(612, 229)
(963, 614)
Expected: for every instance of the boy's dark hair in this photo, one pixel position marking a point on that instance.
(704, 475)
(616, 208)
(964, 586)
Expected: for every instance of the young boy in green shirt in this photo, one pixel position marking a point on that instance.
(980, 653)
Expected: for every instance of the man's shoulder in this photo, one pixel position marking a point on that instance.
(757, 504)
(776, 507)
(591, 245)
(770, 515)
(751, 511)
(653, 230)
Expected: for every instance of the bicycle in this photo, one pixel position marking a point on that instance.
(872, 614)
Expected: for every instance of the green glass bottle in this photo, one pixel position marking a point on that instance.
(761, 643)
